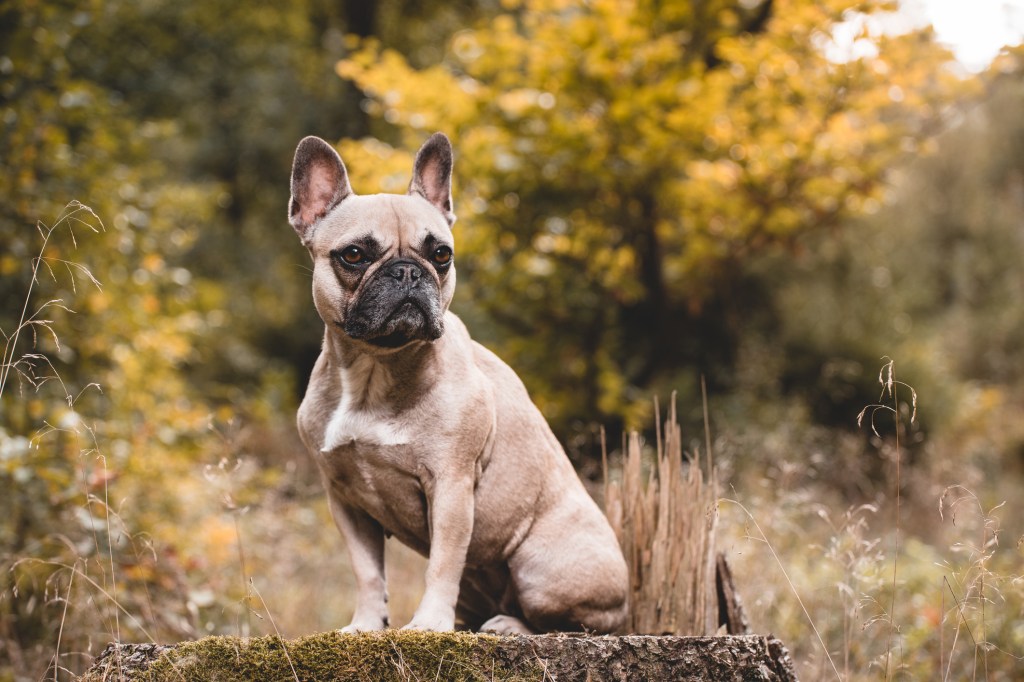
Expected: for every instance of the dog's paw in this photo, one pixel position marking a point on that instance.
(506, 625)
(432, 622)
(364, 625)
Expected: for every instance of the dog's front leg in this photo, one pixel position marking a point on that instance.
(364, 538)
(451, 527)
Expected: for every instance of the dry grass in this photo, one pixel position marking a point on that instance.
(31, 367)
(664, 516)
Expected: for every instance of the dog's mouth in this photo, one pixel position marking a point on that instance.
(406, 324)
(392, 340)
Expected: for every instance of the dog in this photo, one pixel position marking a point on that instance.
(423, 434)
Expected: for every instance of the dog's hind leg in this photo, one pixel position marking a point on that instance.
(487, 602)
(569, 574)
(484, 592)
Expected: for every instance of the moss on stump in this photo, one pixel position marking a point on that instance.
(405, 655)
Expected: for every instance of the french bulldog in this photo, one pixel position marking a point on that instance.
(423, 434)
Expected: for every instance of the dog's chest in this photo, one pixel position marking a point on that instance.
(365, 449)
(369, 461)
(358, 429)
(368, 456)
(360, 417)
(372, 467)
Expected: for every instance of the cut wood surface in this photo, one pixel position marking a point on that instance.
(401, 655)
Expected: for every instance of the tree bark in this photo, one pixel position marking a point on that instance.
(731, 615)
(577, 658)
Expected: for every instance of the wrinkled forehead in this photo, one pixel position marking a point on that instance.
(394, 220)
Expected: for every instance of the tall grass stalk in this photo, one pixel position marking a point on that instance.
(60, 631)
(284, 645)
(789, 582)
(890, 387)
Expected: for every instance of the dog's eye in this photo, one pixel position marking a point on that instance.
(442, 255)
(353, 255)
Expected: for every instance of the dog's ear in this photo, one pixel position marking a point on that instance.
(432, 174)
(319, 183)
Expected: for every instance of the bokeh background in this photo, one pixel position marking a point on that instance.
(777, 196)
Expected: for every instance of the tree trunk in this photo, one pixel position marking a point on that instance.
(401, 655)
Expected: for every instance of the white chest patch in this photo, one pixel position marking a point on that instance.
(359, 417)
(360, 426)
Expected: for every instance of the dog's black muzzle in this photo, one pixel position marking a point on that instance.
(400, 304)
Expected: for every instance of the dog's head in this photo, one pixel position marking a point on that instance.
(383, 264)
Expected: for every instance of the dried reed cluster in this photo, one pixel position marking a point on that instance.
(664, 515)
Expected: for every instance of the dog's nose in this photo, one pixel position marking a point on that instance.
(405, 271)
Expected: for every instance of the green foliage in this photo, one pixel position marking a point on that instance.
(621, 164)
(106, 414)
(60, 535)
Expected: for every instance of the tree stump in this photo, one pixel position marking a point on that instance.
(402, 655)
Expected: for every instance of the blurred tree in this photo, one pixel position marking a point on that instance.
(67, 138)
(176, 122)
(621, 162)
(242, 83)
(933, 278)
